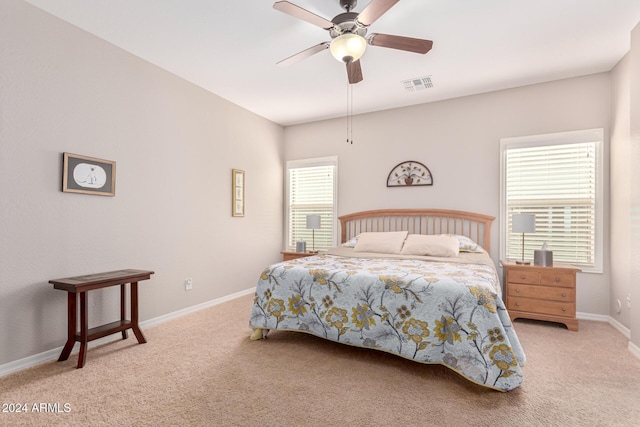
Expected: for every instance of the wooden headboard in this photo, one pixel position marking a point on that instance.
(419, 221)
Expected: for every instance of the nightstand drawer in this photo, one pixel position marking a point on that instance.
(554, 278)
(523, 276)
(550, 277)
(541, 292)
(554, 308)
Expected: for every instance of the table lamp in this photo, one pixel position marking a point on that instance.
(523, 223)
(313, 223)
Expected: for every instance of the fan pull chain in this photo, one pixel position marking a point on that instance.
(349, 113)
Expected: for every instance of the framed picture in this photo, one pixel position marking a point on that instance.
(237, 191)
(88, 175)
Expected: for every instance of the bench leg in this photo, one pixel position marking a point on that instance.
(71, 326)
(123, 309)
(84, 327)
(134, 314)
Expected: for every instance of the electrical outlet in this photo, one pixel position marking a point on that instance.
(188, 284)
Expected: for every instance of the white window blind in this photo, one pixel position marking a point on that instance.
(311, 191)
(558, 183)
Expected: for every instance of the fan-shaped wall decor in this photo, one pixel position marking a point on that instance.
(409, 174)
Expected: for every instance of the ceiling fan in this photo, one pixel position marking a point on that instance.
(348, 31)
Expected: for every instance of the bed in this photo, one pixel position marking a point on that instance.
(442, 306)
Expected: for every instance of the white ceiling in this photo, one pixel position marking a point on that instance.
(231, 47)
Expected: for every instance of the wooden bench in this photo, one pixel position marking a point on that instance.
(83, 284)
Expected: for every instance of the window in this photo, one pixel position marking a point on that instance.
(311, 190)
(557, 177)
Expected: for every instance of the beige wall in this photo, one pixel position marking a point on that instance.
(62, 89)
(459, 140)
(634, 159)
(625, 192)
(620, 191)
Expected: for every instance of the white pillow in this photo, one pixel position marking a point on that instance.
(385, 242)
(420, 244)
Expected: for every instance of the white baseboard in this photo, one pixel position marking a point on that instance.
(634, 349)
(595, 317)
(37, 359)
(608, 319)
(193, 309)
(620, 327)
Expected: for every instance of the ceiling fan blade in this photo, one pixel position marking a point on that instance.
(304, 54)
(354, 71)
(401, 43)
(374, 10)
(304, 14)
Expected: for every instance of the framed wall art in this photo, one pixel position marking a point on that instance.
(88, 175)
(237, 189)
(409, 174)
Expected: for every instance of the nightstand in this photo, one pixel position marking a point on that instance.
(541, 293)
(286, 256)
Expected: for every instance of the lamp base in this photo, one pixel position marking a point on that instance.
(523, 262)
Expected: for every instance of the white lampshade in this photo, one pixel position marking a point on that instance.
(523, 223)
(313, 222)
(348, 47)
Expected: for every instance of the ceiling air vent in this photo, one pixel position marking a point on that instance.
(417, 84)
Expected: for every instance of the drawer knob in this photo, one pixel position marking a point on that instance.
(564, 309)
(523, 277)
(518, 290)
(564, 294)
(517, 304)
(557, 279)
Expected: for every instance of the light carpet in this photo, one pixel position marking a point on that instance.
(202, 370)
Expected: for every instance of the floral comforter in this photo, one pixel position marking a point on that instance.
(447, 311)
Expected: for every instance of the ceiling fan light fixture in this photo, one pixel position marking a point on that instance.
(348, 47)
